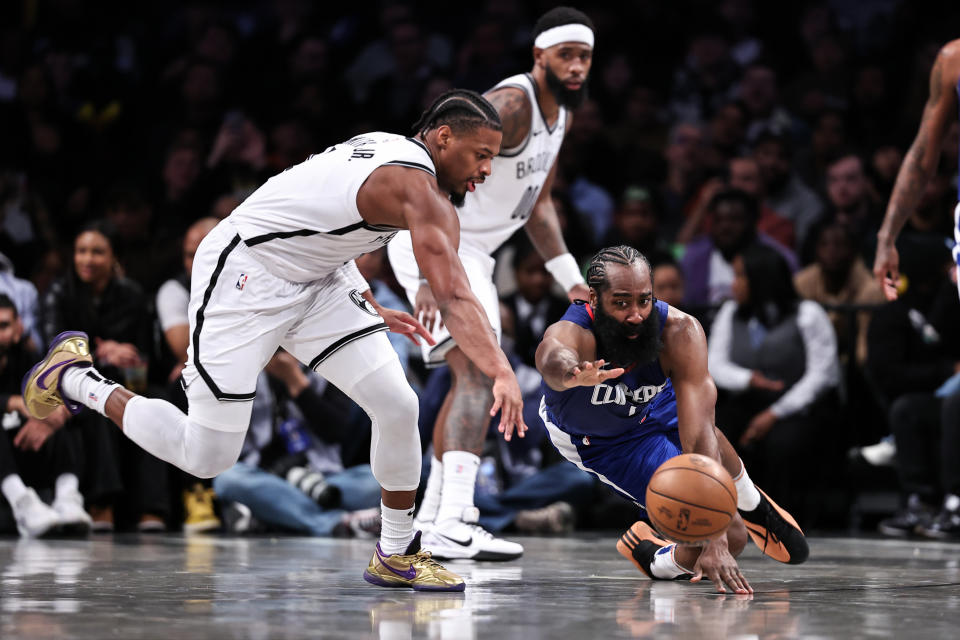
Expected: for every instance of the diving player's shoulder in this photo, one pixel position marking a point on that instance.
(681, 332)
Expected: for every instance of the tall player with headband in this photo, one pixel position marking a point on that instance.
(535, 110)
(279, 272)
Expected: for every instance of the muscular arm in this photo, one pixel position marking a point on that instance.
(565, 358)
(515, 112)
(921, 160)
(684, 359)
(543, 227)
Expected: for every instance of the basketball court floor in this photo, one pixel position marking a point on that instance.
(258, 588)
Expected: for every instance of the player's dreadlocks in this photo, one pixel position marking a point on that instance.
(459, 109)
(622, 254)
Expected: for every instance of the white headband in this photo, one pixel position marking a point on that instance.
(574, 32)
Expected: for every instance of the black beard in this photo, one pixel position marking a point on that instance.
(568, 98)
(617, 349)
(457, 199)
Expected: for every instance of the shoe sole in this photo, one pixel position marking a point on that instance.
(33, 373)
(480, 556)
(200, 527)
(759, 536)
(380, 582)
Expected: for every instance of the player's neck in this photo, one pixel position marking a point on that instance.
(549, 106)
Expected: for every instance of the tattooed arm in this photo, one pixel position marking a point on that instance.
(919, 164)
(515, 111)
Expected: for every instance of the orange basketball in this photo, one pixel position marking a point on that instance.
(691, 498)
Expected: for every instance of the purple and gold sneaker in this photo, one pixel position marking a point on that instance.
(413, 568)
(41, 385)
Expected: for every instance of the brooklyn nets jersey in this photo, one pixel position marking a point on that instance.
(303, 223)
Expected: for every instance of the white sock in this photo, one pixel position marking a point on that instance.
(459, 477)
(665, 565)
(396, 529)
(66, 483)
(748, 498)
(431, 497)
(13, 487)
(88, 387)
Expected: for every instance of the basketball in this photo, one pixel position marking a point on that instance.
(691, 498)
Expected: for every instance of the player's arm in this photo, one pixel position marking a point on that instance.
(565, 358)
(543, 229)
(919, 164)
(515, 113)
(434, 231)
(685, 361)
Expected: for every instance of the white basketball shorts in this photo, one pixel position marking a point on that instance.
(240, 314)
(479, 267)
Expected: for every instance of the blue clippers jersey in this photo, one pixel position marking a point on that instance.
(641, 400)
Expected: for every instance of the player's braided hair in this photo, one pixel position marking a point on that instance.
(622, 254)
(459, 109)
(559, 16)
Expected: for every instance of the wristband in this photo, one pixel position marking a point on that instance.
(565, 270)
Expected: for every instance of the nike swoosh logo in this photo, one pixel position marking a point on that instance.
(409, 574)
(454, 540)
(41, 381)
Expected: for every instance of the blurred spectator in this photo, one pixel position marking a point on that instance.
(839, 277)
(726, 136)
(852, 200)
(483, 58)
(684, 155)
(776, 356)
(112, 311)
(34, 454)
(668, 283)
(828, 142)
(784, 191)
(708, 261)
(701, 85)
(636, 223)
(759, 93)
(24, 297)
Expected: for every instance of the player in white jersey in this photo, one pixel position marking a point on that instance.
(279, 272)
(535, 110)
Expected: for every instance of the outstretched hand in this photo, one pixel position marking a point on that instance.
(508, 398)
(720, 567)
(588, 374)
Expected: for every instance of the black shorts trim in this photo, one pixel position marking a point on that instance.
(430, 363)
(345, 340)
(279, 235)
(217, 393)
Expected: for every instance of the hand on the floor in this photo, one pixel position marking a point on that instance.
(32, 435)
(720, 567)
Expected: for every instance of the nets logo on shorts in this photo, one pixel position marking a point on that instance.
(241, 281)
(362, 302)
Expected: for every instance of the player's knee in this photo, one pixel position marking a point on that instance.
(469, 378)
(208, 452)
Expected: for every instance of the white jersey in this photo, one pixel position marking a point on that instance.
(503, 203)
(303, 223)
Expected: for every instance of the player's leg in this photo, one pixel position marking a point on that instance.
(234, 331)
(769, 525)
(346, 345)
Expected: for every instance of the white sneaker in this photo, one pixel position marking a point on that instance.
(465, 540)
(34, 517)
(69, 508)
(423, 525)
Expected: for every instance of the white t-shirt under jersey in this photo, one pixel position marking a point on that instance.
(303, 223)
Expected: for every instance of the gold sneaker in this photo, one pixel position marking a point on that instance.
(198, 507)
(41, 385)
(414, 569)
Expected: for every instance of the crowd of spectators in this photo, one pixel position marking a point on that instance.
(748, 150)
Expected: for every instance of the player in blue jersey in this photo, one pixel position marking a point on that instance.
(625, 388)
(919, 165)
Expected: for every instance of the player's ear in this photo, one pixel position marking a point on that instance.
(444, 134)
(594, 297)
(538, 59)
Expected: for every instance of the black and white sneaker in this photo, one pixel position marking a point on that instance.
(464, 539)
